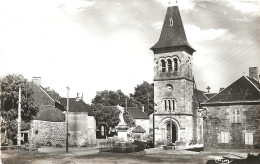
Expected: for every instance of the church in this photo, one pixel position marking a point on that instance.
(175, 119)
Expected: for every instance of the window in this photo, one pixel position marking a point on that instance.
(249, 137)
(171, 22)
(169, 104)
(165, 104)
(224, 137)
(163, 65)
(175, 61)
(169, 63)
(236, 116)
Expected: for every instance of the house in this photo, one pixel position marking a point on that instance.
(140, 118)
(48, 127)
(81, 122)
(232, 116)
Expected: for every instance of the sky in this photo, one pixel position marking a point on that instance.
(95, 45)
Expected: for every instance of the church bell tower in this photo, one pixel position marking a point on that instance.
(173, 119)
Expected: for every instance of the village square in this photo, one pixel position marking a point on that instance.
(171, 119)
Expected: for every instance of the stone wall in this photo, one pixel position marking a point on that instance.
(82, 129)
(43, 132)
(220, 119)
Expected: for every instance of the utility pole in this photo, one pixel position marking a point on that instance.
(19, 119)
(125, 104)
(67, 122)
(148, 102)
(170, 120)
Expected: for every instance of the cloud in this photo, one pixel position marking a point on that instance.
(197, 34)
(247, 7)
(157, 25)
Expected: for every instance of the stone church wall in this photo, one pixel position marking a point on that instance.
(219, 119)
(183, 124)
(43, 132)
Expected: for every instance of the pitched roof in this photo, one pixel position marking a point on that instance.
(138, 129)
(172, 34)
(209, 95)
(77, 106)
(137, 113)
(199, 95)
(242, 90)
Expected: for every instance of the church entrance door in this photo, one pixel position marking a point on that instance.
(171, 138)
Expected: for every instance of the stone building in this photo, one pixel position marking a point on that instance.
(82, 122)
(140, 118)
(48, 127)
(232, 116)
(174, 120)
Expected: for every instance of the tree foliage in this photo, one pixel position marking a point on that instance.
(106, 115)
(113, 98)
(144, 93)
(9, 102)
(129, 122)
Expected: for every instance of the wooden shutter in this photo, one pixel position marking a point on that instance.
(250, 138)
(246, 138)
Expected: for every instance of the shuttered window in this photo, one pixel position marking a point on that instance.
(224, 137)
(249, 138)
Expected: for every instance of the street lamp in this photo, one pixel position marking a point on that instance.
(67, 122)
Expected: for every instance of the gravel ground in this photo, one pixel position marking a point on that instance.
(52, 155)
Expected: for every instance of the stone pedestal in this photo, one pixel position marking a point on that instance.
(122, 127)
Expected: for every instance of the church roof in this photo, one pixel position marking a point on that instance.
(77, 106)
(245, 89)
(199, 95)
(172, 34)
(137, 113)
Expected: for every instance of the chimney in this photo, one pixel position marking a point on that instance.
(142, 108)
(37, 80)
(253, 73)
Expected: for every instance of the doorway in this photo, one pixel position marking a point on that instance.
(171, 135)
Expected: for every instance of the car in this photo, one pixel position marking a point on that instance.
(149, 144)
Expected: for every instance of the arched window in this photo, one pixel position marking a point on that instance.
(165, 104)
(173, 105)
(169, 105)
(175, 61)
(169, 64)
(163, 65)
(171, 22)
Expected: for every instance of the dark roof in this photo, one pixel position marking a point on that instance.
(199, 95)
(209, 95)
(243, 89)
(137, 113)
(77, 106)
(138, 129)
(172, 36)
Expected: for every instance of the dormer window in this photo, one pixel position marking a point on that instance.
(171, 22)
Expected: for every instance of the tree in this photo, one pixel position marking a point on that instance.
(144, 93)
(129, 122)
(9, 102)
(113, 98)
(105, 116)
